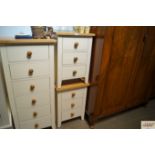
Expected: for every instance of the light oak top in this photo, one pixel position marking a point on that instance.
(27, 41)
(75, 34)
(72, 86)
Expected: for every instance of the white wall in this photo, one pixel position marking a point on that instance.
(10, 31)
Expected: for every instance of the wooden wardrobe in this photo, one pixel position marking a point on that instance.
(122, 73)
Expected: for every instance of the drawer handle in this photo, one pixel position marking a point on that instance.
(72, 114)
(76, 45)
(72, 105)
(36, 126)
(29, 54)
(73, 95)
(30, 72)
(74, 73)
(35, 114)
(32, 87)
(75, 59)
(34, 102)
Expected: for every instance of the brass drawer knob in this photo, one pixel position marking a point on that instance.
(29, 54)
(74, 73)
(33, 102)
(72, 105)
(73, 95)
(76, 45)
(36, 126)
(30, 72)
(32, 87)
(75, 59)
(72, 114)
(35, 114)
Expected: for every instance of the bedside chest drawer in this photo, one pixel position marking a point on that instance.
(30, 86)
(71, 114)
(73, 72)
(72, 104)
(28, 70)
(33, 113)
(24, 53)
(72, 94)
(32, 101)
(37, 123)
(75, 44)
(75, 58)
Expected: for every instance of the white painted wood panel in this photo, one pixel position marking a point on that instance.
(24, 87)
(33, 100)
(68, 72)
(69, 44)
(19, 53)
(71, 114)
(72, 104)
(75, 58)
(28, 113)
(21, 70)
(41, 123)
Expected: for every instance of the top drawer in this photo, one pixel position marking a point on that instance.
(23, 53)
(75, 44)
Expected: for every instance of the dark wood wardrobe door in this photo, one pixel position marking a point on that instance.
(123, 48)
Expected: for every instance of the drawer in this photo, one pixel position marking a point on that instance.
(28, 70)
(29, 87)
(32, 101)
(75, 44)
(73, 94)
(23, 53)
(33, 113)
(37, 123)
(72, 104)
(71, 114)
(73, 72)
(74, 58)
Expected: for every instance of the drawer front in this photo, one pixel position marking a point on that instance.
(33, 113)
(37, 123)
(73, 72)
(23, 53)
(75, 44)
(72, 104)
(73, 94)
(70, 114)
(28, 70)
(32, 101)
(74, 58)
(30, 87)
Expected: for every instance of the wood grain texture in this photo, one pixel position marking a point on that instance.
(26, 41)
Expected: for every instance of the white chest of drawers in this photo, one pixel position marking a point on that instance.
(29, 75)
(73, 62)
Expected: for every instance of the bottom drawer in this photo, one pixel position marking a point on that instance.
(36, 124)
(71, 114)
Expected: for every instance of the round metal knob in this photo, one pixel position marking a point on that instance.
(36, 125)
(34, 102)
(32, 87)
(30, 72)
(76, 45)
(75, 59)
(29, 54)
(74, 73)
(72, 114)
(35, 114)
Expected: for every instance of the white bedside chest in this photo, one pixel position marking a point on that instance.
(73, 63)
(29, 73)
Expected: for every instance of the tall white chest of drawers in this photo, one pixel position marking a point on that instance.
(29, 74)
(73, 63)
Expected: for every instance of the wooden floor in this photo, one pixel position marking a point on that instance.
(127, 120)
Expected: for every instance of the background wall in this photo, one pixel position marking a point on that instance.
(10, 31)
